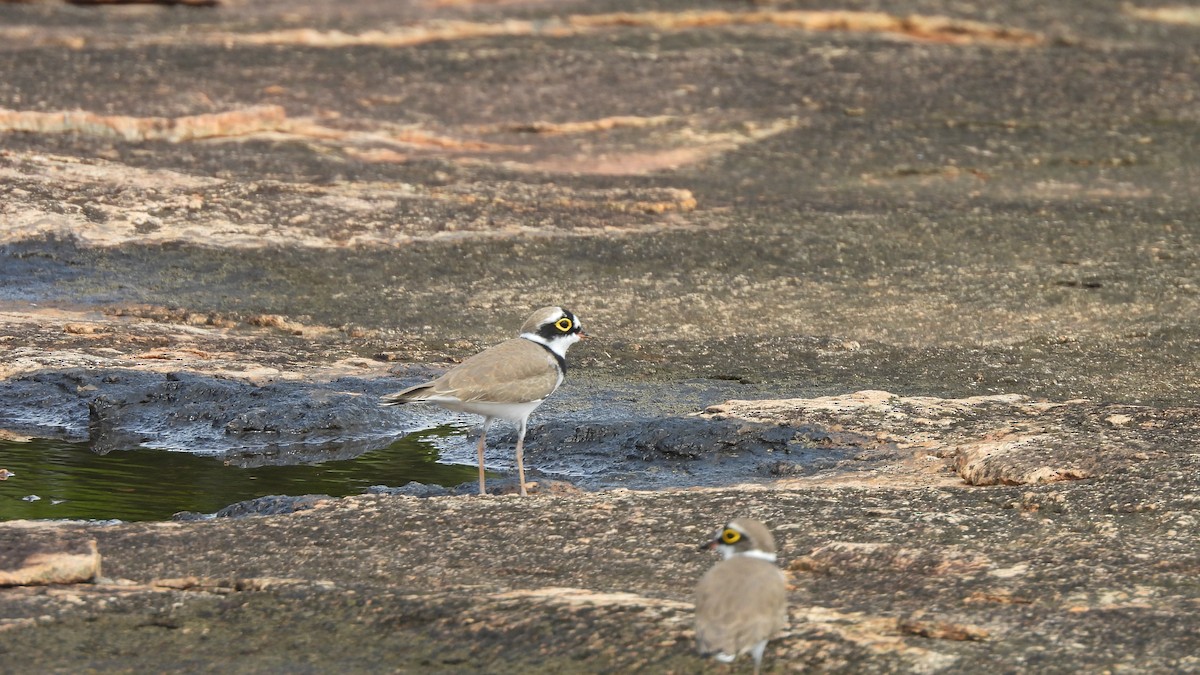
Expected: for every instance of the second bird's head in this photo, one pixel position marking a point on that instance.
(742, 536)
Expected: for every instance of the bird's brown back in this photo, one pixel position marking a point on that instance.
(739, 603)
(514, 371)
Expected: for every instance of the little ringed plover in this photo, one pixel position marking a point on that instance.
(507, 381)
(741, 602)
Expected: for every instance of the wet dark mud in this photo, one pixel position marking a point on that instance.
(579, 438)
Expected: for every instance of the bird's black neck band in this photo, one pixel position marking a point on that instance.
(562, 363)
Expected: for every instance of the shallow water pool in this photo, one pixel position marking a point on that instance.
(56, 479)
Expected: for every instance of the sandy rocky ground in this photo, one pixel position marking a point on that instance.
(915, 283)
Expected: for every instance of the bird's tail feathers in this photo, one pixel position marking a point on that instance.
(407, 396)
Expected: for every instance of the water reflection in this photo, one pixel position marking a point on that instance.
(55, 479)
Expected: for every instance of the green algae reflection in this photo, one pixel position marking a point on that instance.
(70, 481)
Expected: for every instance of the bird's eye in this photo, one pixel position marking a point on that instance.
(730, 536)
(564, 324)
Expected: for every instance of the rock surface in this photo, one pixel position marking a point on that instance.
(922, 578)
(39, 556)
(917, 287)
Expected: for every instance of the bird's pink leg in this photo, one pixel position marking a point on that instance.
(487, 422)
(521, 458)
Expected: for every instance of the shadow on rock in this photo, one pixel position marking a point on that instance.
(685, 451)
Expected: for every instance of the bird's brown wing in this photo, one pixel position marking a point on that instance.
(739, 603)
(514, 371)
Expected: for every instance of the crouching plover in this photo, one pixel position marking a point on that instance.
(741, 602)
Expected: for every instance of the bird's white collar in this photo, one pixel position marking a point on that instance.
(728, 553)
(558, 345)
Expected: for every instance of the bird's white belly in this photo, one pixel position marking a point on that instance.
(513, 412)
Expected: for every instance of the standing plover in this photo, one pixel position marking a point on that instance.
(507, 381)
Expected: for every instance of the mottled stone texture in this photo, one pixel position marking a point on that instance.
(913, 282)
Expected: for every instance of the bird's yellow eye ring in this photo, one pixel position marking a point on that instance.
(563, 324)
(730, 536)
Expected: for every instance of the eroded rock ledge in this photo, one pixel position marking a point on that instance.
(1005, 439)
